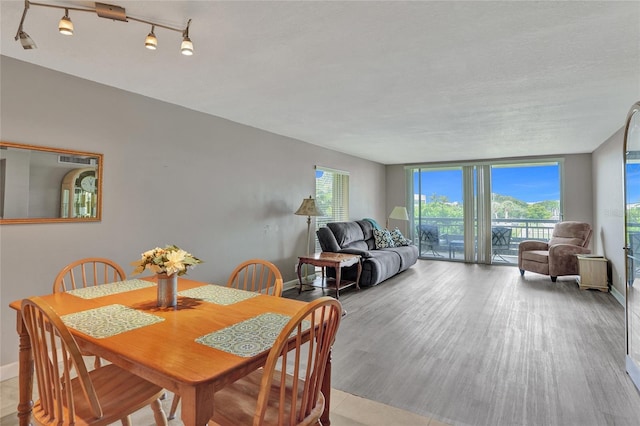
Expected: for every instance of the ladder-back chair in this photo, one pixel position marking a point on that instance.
(88, 272)
(261, 399)
(260, 276)
(69, 394)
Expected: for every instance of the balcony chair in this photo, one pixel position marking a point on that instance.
(255, 275)
(88, 272)
(500, 241)
(429, 238)
(558, 256)
(260, 399)
(69, 394)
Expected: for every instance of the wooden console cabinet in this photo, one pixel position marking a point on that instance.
(593, 272)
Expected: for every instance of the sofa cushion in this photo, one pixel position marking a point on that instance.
(540, 256)
(357, 245)
(383, 238)
(564, 240)
(406, 254)
(327, 240)
(571, 232)
(367, 229)
(346, 232)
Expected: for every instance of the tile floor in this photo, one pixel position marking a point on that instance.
(346, 410)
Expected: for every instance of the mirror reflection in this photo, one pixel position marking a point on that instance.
(632, 225)
(41, 184)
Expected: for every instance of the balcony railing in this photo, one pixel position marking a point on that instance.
(451, 230)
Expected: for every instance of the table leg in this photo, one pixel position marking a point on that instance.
(338, 273)
(326, 391)
(299, 277)
(197, 405)
(359, 273)
(25, 374)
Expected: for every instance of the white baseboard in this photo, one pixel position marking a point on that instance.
(288, 285)
(617, 295)
(9, 371)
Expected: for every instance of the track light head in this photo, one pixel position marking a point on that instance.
(186, 48)
(26, 41)
(151, 42)
(65, 26)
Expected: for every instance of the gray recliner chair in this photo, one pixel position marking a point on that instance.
(558, 256)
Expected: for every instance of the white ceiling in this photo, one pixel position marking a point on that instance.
(394, 82)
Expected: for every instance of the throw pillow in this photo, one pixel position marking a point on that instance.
(383, 238)
(399, 239)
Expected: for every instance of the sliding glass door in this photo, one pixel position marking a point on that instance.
(438, 212)
(525, 205)
(479, 212)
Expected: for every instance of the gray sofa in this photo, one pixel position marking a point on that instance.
(357, 238)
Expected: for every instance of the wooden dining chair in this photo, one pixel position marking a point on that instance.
(287, 391)
(86, 273)
(257, 275)
(260, 276)
(69, 394)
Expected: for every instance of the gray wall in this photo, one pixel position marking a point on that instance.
(221, 190)
(609, 206)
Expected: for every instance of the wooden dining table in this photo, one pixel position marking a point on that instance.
(170, 347)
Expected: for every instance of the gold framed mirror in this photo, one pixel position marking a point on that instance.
(48, 185)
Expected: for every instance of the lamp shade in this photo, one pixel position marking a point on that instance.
(309, 208)
(399, 213)
(65, 26)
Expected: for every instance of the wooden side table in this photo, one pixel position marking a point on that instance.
(593, 272)
(331, 260)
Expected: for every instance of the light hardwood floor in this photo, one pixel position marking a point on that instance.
(479, 345)
(475, 345)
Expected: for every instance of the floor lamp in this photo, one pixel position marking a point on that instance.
(398, 213)
(308, 208)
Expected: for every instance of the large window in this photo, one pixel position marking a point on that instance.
(332, 196)
(479, 212)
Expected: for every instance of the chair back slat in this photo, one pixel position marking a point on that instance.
(88, 272)
(258, 276)
(56, 356)
(290, 360)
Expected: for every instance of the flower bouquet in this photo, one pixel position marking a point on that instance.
(169, 260)
(167, 263)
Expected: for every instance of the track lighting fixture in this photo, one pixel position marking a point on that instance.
(151, 42)
(65, 26)
(103, 10)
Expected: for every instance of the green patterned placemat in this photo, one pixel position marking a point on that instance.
(217, 294)
(250, 337)
(111, 288)
(109, 320)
